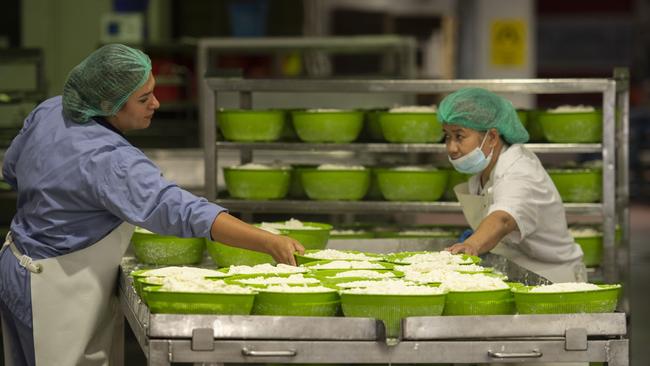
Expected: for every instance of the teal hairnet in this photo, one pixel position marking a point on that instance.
(101, 84)
(481, 110)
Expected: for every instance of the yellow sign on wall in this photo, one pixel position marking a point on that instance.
(508, 43)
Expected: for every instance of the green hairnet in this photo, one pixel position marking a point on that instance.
(101, 84)
(481, 110)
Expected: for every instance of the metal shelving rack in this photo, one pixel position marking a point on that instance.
(615, 91)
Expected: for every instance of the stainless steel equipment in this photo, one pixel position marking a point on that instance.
(613, 210)
(214, 339)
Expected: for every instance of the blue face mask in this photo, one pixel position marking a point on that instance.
(473, 162)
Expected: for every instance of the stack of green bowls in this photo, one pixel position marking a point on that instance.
(575, 127)
(412, 185)
(580, 185)
(167, 250)
(410, 127)
(251, 125)
(327, 126)
(342, 184)
(257, 184)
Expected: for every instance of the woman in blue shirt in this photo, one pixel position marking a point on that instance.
(81, 188)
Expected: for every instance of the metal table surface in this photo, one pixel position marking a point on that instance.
(215, 339)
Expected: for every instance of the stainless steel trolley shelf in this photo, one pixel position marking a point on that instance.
(614, 206)
(297, 206)
(395, 148)
(214, 339)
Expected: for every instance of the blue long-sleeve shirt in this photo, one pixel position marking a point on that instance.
(78, 182)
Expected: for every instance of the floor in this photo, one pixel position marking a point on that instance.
(638, 287)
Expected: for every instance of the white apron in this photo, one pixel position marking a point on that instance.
(74, 304)
(475, 209)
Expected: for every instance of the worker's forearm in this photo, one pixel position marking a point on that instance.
(230, 230)
(492, 229)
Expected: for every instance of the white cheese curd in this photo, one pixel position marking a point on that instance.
(348, 265)
(337, 254)
(414, 109)
(440, 275)
(565, 287)
(473, 282)
(297, 289)
(154, 280)
(393, 287)
(340, 167)
(572, 109)
(326, 110)
(256, 166)
(584, 232)
(172, 284)
(443, 257)
(468, 268)
(364, 274)
(174, 271)
(295, 279)
(414, 168)
(265, 269)
(291, 224)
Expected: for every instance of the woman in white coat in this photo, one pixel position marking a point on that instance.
(510, 202)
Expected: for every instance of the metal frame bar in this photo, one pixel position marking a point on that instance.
(305, 206)
(398, 148)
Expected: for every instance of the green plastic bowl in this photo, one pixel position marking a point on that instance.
(333, 185)
(167, 250)
(225, 256)
(315, 238)
(262, 184)
(455, 178)
(247, 125)
(396, 185)
(534, 127)
(401, 258)
(198, 303)
(340, 127)
(580, 127)
(410, 127)
(296, 304)
(492, 302)
(599, 301)
(592, 247)
(578, 185)
(522, 114)
(391, 309)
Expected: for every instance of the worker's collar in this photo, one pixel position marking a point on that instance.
(104, 122)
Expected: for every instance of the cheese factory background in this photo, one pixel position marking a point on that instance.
(41, 41)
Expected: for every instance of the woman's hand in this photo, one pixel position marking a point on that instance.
(281, 248)
(463, 248)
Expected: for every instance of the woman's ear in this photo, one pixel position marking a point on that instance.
(494, 136)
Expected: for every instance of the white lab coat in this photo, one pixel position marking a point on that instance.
(520, 186)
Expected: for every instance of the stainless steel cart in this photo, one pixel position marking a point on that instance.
(214, 339)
